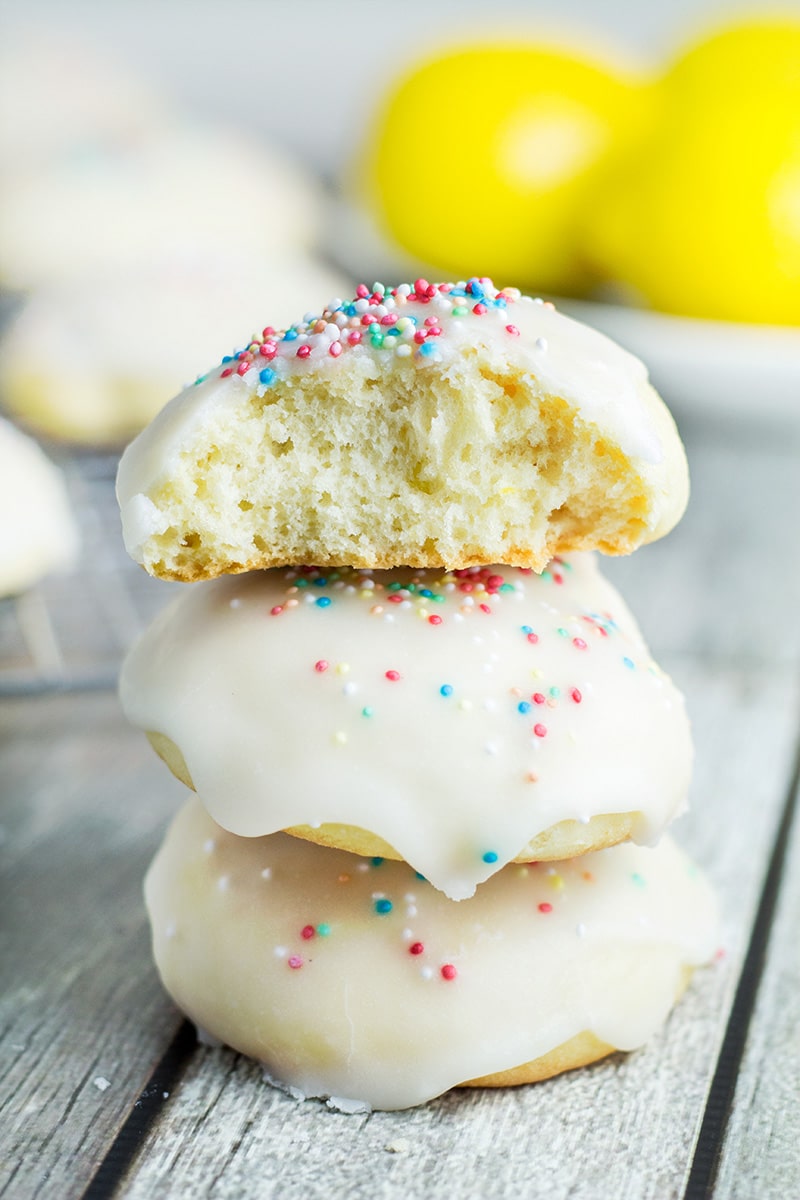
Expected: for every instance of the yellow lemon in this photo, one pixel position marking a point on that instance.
(707, 221)
(484, 158)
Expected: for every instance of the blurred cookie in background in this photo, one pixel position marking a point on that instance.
(182, 193)
(93, 359)
(38, 533)
(63, 101)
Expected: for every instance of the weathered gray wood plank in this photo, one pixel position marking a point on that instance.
(83, 805)
(761, 1153)
(725, 584)
(623, 1128)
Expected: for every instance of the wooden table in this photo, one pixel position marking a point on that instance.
(103, 1089)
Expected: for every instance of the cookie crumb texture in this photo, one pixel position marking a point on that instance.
(434, 425)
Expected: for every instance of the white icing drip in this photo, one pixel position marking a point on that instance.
(595, 944)
(457, 785)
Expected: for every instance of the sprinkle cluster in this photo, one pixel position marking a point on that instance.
(553, 881)
(430, 593)
(439, 600)
(379, 318)
(537, 708)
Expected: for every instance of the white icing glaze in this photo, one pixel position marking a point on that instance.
(521, 701)
(292, 961)
(553, 354)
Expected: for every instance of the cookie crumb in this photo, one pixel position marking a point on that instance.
(398, 1146)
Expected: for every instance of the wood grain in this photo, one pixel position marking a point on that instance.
(82, 810)
(761, 1155)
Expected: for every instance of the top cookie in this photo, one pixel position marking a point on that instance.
(430, 425)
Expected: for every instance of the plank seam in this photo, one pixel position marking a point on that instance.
(719, 1104)
(152, 1100)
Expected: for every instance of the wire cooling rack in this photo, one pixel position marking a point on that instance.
(70, 631)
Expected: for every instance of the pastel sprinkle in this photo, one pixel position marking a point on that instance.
(392, 676)
(628, 663)
(544, 907)
(446, 689)
(416, 948)
(294, 961)
(490, 856)
(321, 665)
(307, 932)
(382, 907)
(323, 601)
(540, 730)
(323, 930)
(448, 971)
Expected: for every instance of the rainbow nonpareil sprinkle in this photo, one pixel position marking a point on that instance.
(376, 317)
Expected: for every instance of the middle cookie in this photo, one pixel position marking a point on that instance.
(458, 720)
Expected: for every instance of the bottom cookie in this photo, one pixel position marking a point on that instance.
(353, 978)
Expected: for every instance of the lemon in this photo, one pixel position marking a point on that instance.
(707, 221)
(483, 159)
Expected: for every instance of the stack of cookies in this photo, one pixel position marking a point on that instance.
(431, 769)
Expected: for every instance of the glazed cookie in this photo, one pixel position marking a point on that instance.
(354, 979)
(430, 425)
(93, 360)
(187, 192)
(455, 720)
(38, 533)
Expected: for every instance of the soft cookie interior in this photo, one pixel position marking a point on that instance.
(451, 427)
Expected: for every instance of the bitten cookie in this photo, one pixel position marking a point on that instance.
(458, 721)
(355, 979)
(443, 425)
